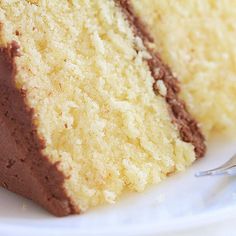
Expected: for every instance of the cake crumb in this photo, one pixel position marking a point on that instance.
(109, 196)
(32, 1)
(160, 87)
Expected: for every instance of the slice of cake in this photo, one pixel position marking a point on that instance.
(88, 110)
(197, 39)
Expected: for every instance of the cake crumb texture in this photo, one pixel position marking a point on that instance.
(92, 95)
(197, 40)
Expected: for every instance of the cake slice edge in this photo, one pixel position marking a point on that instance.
(24, 169)
(187, 125)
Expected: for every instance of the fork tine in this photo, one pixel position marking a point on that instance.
(226, 168)
(217, 171)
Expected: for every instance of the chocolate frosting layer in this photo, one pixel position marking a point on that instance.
(187, 125)
(24, 169)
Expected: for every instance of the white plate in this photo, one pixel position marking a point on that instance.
(182, 202)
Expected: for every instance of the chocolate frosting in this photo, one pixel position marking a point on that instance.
(24, 169)
(187, 125)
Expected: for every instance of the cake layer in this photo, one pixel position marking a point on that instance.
(165, 83)
(85, 76)
(197, 40)
(24, 169)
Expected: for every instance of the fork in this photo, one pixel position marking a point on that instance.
(228, 168)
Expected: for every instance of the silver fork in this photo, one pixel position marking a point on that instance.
(228, 168)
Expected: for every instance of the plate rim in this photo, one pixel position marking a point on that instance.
(178, 224)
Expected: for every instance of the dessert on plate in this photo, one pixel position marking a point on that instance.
(88, 108)
(197, 40)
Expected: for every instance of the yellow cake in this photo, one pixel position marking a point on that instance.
(88, 110)
(197, 40)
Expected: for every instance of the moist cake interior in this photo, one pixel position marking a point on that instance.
(197, 40)
(85, 76)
